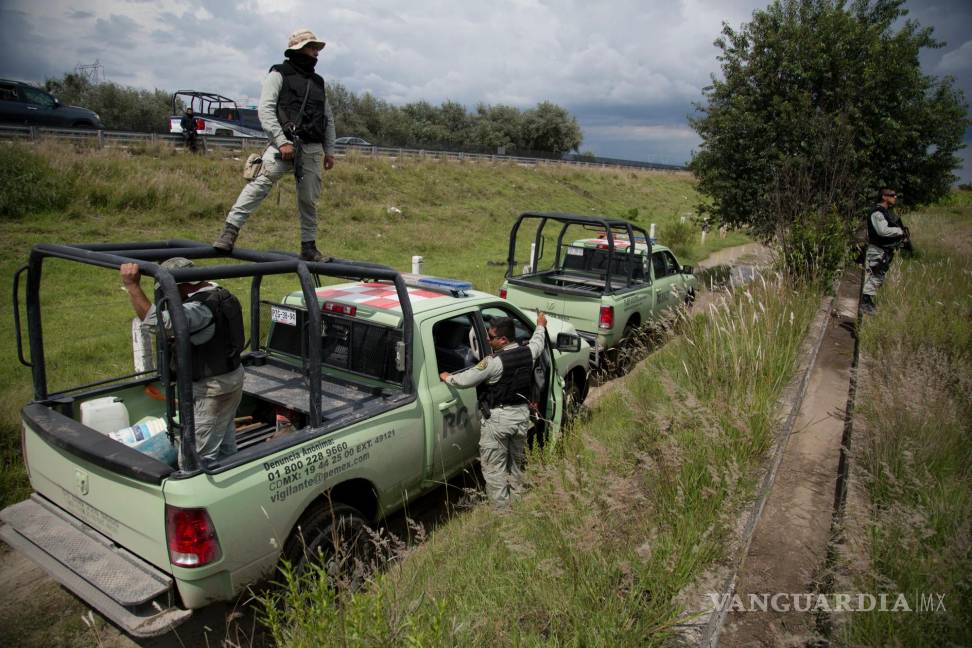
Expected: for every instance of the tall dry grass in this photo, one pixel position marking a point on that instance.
(911, 532)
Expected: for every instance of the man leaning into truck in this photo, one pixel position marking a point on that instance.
(215, 321)
(503, 383)
(296, 117)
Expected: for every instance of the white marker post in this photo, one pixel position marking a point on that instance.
(417, 264)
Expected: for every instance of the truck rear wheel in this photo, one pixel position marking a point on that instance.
(336, 539)
(573, 398)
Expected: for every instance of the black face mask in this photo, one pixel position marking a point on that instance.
(302, 61)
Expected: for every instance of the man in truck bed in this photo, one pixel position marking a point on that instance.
(216, 332)
(504, 382)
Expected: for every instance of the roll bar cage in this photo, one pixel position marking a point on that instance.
(605, 222)
(148, 255)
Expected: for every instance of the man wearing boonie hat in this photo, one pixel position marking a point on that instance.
(215, 321)
(293, 104)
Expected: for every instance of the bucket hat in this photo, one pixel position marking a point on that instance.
(300, 38)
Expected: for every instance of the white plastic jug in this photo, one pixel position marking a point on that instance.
(104, 414)
(147, 428)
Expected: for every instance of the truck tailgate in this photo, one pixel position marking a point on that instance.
(581, 311)
(72, 467)
(124, 588)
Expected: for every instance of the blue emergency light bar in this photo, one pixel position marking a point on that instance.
(455, 287)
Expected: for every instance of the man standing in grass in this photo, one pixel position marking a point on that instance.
(503, 382)
(885, 233)
(297, 119)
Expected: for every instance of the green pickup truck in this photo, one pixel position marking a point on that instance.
(367, 426)
(594, 272)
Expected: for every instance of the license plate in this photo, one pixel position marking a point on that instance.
(283, 316)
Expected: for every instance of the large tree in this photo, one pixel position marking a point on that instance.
(820, 103)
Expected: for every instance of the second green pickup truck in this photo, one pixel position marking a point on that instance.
(603, 275)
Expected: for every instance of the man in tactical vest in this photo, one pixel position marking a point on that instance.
(885, 234)
(215, 321)
(503, 384)
(189, 132)
(297, 119)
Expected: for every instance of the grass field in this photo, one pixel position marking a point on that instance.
(911, 530)
(456, 215)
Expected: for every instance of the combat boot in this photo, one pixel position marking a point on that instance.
(227, 239)
(309, 252)
(867, 305)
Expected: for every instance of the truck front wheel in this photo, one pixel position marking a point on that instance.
(335, 539)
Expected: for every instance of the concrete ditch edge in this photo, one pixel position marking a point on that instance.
(709, 618)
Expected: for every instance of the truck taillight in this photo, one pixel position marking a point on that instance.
(606, 318)
(200, 124)
(340, 309)
(191, 537)
(502, 293)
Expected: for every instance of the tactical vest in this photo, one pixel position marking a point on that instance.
(221, 354)
(513, 387)
(893, 221)
(313, 125)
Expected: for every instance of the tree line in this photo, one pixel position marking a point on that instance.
(546, 129)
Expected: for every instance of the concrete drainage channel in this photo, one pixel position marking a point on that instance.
(782, 542)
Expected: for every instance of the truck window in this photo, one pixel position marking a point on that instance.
(349, 344)
(454, 340)
(659, 266)
(523, 331)
(671, 265)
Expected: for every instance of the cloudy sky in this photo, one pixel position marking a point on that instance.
(628, 69)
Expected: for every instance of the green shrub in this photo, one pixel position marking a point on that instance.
(678, 236)
(28, 184)
(815, 248)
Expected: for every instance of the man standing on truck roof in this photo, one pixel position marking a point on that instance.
(503, 382)
(215, 321)
(296, 116)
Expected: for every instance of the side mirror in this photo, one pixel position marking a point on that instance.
(688, 270)
(568, 342)
(57, 102)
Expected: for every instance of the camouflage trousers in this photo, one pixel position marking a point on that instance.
(308, 191)
(876, 264)
(502, 452)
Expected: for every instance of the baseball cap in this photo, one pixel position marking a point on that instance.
(177, 263)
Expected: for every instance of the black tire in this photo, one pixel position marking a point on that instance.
(626, 349)
(573, 399)
(690, 297)
(336, 538)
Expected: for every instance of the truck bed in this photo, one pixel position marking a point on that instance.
(282, 385)
(570, 281)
